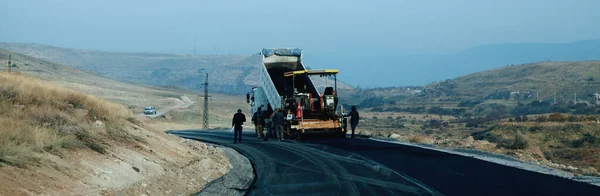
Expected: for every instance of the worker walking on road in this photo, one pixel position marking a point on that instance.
(259, 121)
(238, 120)
(354, 117)
(278, 120)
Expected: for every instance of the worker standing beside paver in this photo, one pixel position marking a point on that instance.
(268, 123)
(259, 121)
(354, 117)
(278, 120)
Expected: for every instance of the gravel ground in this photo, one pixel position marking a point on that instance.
(503, 160)
(236, 182)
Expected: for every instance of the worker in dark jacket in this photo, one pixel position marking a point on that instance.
(238, 120)
(278, 120)
(259, 121)
(268, 123)
(354, 117)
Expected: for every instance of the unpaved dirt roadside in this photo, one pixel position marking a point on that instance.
(236, 182)
(183, 178)
(159, 164)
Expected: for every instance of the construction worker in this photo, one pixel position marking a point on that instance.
(354, 117)
(238, 120)
(278, 120)
(259, 121)
(268, 123)
(254, 118)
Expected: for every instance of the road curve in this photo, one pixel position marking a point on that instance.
(296, 168)
(368, 167)
(186, 103)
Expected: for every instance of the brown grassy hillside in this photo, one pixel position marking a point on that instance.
(37, 116)
(228, 73)
(56, 139)
(133, 96)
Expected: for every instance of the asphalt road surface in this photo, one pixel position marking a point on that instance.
(330, 166)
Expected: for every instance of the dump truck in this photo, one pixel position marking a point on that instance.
(285, 83)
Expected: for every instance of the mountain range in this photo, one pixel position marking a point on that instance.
(236, 74)
(387, 68)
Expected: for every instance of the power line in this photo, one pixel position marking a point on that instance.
(9, 65)
(205, 113)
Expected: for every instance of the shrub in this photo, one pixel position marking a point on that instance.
(567, 154)
(518, 119)
(586, 138)
(534, 128)
(556, 117)
(541, 118)
(517, 143)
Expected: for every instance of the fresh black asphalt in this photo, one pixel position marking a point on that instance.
(367, 167)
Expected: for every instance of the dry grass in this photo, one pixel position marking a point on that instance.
(36, 117)
(419, 139)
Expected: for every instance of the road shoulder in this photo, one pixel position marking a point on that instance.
(500, 159)
(237, 181)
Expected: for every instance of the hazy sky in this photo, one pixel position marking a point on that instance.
(317, 26)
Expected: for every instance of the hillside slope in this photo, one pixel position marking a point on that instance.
(62, 141)
(529, 80)
(509, 85)
(134, 96)
(58, 141)
(230, 74)
(131, 95)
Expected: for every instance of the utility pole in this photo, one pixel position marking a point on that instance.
(205, 113)
(537, 96)
(575, 98)
(9, 65)
(554, 97)
(194, 46)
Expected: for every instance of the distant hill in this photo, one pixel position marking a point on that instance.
(231, 74)
(45, 69)
(385, 68)
(525, 82)
(497, 55)
(510, 83)
(120, 92)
